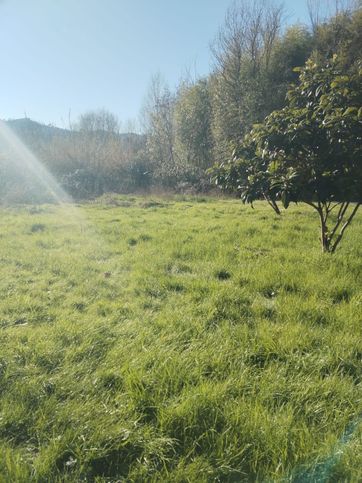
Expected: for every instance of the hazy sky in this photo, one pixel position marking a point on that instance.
(61, 55)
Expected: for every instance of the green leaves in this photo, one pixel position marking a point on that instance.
(316, 134)
(310, 151)
(350, 110)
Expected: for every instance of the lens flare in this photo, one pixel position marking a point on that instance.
(22, 161)
(26, 168)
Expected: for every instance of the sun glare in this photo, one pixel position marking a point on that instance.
(16, 153)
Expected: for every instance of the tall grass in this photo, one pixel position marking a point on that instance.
(172, 340)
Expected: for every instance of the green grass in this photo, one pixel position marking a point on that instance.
(181, 340)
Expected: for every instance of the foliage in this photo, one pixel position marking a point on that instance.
(310, 151)
(158, 113)
(292, 50)
(193, 117)
(341, 35)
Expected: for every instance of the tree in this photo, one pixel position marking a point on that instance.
(97, 149)
(291, 50)
(193, 124)
(322, 11)
(159, 125)
(98, 121)
(341, 35)
(242, 52)
(310, 151)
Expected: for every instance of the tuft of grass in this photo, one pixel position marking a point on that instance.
(223, 274)
(37, 227)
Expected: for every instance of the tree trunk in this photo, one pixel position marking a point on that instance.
(325, 241)
(272, 203)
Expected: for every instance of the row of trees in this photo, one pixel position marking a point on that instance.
(255, 57)
(199, 124)
(89, 158)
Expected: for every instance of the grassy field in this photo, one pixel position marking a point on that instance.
(183, 340)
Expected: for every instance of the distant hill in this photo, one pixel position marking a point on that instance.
(26, 129)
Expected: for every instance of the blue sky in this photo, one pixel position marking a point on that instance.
(74, 55)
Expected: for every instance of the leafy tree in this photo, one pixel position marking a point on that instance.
(291, 50)
(193, 124)
(310, 151)
(341, 35)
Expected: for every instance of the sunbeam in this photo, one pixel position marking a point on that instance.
(15, 152)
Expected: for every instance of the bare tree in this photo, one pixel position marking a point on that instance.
(249, 31)
(99, 120)
(242, 51)
(320, 11)
(158, 122)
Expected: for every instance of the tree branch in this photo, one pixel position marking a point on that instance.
(310, 203)
(340, 216)
(272, 203)
(348, 221)
(334, 206)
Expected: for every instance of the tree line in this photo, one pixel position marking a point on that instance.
(309, 149)
(255, 57)
(185, 131)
